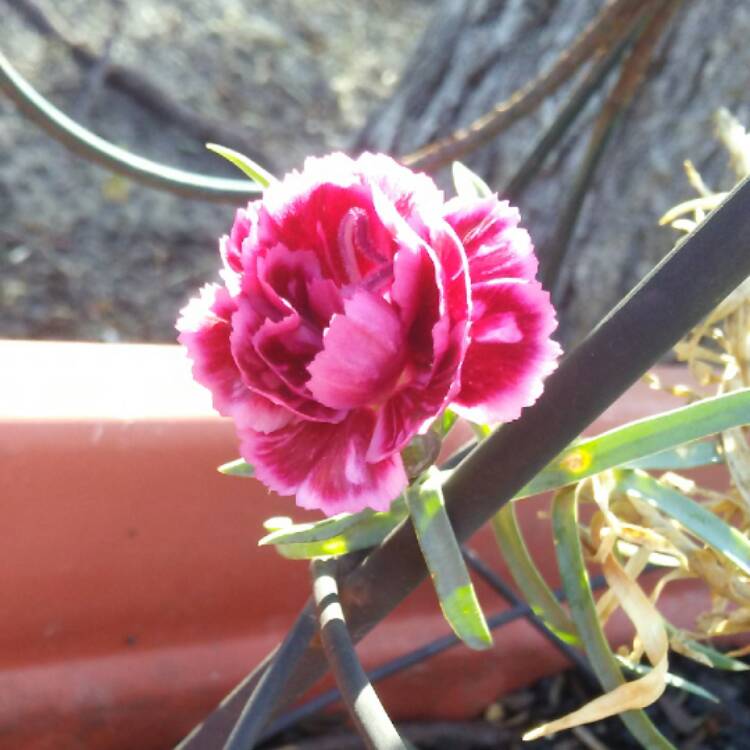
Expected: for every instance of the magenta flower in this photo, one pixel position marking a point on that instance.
(356, 307)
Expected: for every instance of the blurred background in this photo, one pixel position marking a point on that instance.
(87, 254)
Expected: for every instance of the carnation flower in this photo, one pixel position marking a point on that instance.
(356, 306)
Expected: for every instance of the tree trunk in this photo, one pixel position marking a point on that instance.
(475, 54)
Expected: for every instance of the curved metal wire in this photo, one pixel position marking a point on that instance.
(94, 148)
(494, 581)
(372, 721)
(390, 668)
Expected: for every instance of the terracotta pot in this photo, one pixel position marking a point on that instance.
(132, 593)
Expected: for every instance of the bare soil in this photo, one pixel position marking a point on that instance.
(688, 721)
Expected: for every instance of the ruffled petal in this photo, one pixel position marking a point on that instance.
(496, 247)
(256, 372)
(362, 356)
(510, 353)
(328, 207)
(414, 195)
(325, 301)
(316, 214)
(413, 407)
(325, 464)
(244, 227)
(416, 292)
(357, 307)
(283, 276)
(287, 346)
(430, 290)
(205, 329)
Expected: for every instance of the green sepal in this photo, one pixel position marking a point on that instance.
(443, 424)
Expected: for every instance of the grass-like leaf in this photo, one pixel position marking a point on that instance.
(527, 576)
(244, 163)
(328, 528)
(583, 611)
(715, 658)
(367, 530)
(237, 468)
(442, 554)
(688, 456)
(641, 438)
(696, 519)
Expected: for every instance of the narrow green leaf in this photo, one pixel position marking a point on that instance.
(527, 576)
(276, 523)
(467, 183)
(367, 531)
(688, 456)
(696, 519)
(641, 438)
(316, 531)
(714, 657)
(680, 683)
(583, 611)
(244, 163)
(237, 468)
(328, 528)
(717, 659)
(442, 554)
